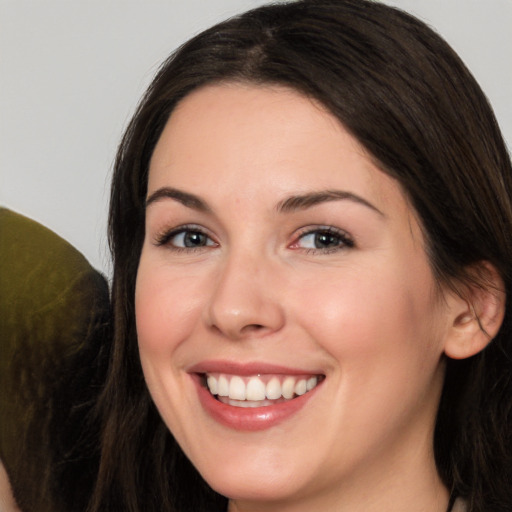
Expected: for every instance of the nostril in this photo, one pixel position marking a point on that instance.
(253, 327)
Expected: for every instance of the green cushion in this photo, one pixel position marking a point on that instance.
(50, 302)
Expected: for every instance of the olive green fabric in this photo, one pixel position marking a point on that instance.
(49, 296)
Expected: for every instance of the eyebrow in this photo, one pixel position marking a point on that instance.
(288, 205)
(186, 199)
(304, 201)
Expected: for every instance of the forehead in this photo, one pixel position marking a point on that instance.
(262, 120)
(262, 138)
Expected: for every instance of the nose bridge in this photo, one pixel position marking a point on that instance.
(244, 300)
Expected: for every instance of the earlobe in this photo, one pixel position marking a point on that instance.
(477, 313)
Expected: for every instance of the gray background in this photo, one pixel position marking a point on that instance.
(72, 71)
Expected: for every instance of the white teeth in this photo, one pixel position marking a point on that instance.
(273, 390)
(237, 388)
(300, 387)
(288, 387)
(247, 403)
(253, 392)
(223, 386)
(255, 389)
(212, 385)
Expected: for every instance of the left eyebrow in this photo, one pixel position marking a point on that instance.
(186, 199)
(304, 201)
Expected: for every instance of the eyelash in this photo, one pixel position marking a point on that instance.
(344, 240)
(164, 238)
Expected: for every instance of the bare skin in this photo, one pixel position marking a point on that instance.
(275, 240)
(7, 501)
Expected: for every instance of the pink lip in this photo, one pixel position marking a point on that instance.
(248, 419)
(246, 369)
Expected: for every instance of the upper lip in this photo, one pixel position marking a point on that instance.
(248, 368)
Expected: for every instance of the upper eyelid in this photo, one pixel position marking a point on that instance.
(162, 236)
(326, 228)
(346, 239)
(165, 234)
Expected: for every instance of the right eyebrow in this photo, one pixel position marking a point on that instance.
(185, 198)
(304, 201)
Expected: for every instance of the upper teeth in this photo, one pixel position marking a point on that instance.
(259, 387)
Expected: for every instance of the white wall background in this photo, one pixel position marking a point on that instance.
(71, 73)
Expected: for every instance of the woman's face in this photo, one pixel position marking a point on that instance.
(281, 267)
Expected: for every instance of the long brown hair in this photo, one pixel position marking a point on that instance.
(410, 101)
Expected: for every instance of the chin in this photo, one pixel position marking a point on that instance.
(251, 487)
(269, 478)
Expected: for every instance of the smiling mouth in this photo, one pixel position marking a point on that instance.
(258, 390)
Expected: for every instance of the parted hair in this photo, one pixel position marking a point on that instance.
(406, 96)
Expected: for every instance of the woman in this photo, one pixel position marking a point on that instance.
(310, 221)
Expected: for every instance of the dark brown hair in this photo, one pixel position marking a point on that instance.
(404, 94)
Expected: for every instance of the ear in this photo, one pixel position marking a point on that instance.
(476, 312)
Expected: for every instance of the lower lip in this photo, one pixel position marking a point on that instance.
(250, 418)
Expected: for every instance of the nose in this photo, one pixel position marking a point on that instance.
(245, 301)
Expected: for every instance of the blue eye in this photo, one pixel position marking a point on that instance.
(185, 238)
(326, 240)
(190, 239)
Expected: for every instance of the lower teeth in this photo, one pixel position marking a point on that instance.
(249, 403)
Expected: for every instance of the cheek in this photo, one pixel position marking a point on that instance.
(371, 313)
(384, 350)
(166, 308)
(166, 312)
